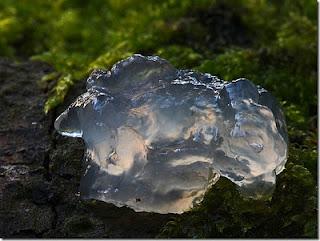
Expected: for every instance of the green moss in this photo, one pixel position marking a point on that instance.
(180, 56)
(60, 91)
(282, 61)
(66, 38)
(232, 64)
(47, 80)
(225, 213)
(272, 43)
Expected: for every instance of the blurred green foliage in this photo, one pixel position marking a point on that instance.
(273, 43)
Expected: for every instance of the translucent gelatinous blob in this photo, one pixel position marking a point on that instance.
(157, 137)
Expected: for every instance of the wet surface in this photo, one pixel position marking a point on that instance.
(40, 171)
(157, 138)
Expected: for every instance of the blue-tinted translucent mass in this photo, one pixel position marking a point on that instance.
(158, 137)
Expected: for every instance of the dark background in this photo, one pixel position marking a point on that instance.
(48, 48)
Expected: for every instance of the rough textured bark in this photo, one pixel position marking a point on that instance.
(40, 170)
